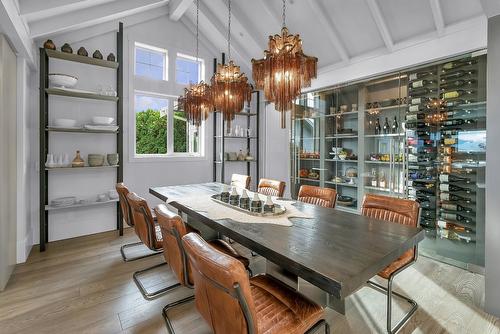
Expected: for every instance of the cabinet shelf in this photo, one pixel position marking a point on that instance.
(79, 205)
(340, 160)
(386, 108)
(82, 130)
(81, 168)
(81, 59)
(236, 137)
(388, 135)
(81, 95)
(384, 190)
(343, 184)
(381, 162)
(225, 161)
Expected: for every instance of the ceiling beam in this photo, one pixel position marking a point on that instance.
(33, 10)
(329, 29)
(380, 22)
(92, 16)
(490, 7)
(177, 8)
(437, 14)
(13, 26)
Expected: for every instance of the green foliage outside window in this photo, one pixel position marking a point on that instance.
(180, 132)
(151, 132)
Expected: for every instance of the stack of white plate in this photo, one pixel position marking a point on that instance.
(63, 201)
(101, 127)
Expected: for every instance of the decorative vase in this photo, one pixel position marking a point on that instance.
(66, 162)
(256, 204)
(269, 205)
(113, 159)
(224, 195)
(50, 161)
(244, 200)
(49, 45)
(82, 52)
(111, 57)
(234, 198)
(66, 48)
(77, 161)
(59, 161)
(241, 156)
(97, 54)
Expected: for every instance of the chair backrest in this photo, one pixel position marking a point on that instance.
(326, 197)
(173, 229)
(395, 210)
(123, 191)
(271, 187)
(240, 181)
(143, 220)
(222, 288)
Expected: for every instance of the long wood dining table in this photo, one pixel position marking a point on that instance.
(335, 251)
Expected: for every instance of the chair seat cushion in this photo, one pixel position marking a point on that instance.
(404, 259)
(280, 309)
(226, 248)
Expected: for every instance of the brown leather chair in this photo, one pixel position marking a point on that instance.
(123, 191)
(326, 197)
(240, 181)
(232, 303)
(271, 187)
(400, 211)
(150, 234)
(173, 229)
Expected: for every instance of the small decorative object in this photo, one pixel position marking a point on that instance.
(269, 205)
(112, 194)
(49, 163)
(313, 176)
(232, 156)
(342, 154)
(354, 107)
(82, 52)
(63, 201)
(95, 160)
(249, 157)
(113, 159)
(111, 57)
(65, 123)
(77, 161)
(59, 161)
(224, 195)
(101, 198)
(234, 198)
(244, 200)
(256, 204)
(351, 172)
(241, 156)
(100, 120)
(345, 200)
(97, 54)
(49, 45)
(249, 132)
(303, 172)
(332, 110)
(62, 80)
(66, 48)
(65, 162)
(343, 108)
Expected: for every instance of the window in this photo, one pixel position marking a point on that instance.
(150, 62)
(188, 69)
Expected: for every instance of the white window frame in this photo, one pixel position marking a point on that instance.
(201, 72)
(154, 49)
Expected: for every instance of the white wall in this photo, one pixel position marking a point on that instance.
(139, 176)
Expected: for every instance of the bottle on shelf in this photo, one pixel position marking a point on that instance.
(420, 100)
(457, 217)
(378, 129)
(456, 122)
(453, 187)
(421, 92)
(455, 75)
(453, 178)
(382, 183)
(458, 63)
(422, 83)
(456, 207)
(386, 127)
(460, 83)
(453, 94)
(395, 126)
(420, 75)
(374, 182)
(415, 117)
(444, 196)
(453, 227)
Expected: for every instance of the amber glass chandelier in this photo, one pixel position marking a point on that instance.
(230, 87)
(284, 70)
(197, 99)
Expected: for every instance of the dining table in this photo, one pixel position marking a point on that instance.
(335, 252)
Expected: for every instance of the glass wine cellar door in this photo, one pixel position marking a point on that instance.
(419, 134)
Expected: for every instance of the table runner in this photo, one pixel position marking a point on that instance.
(216, 211)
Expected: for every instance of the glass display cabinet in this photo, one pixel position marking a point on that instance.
(418, 133)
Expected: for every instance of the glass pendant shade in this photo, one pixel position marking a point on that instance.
(230, 91)
(284, 71)
(196, 102)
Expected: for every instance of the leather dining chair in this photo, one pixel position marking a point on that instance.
(230, 302)
(326, 197)
(271, 187)
(173, 229)
(150, 234)
(240, 181)
(123, 191)
(400, 211)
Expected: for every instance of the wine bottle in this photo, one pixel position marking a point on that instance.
(457, 217)
(456, 122)
(421, 91)
(374, 178)
(419, 75)
(378, 129)
(454, 227)
(414, 108)
(453, 178)
(455, 75)
(421, 83)
(386, 126)
(458, 63)
(395, 126)
(416, 125)
(449, 132)
(382, 182)
(420, 100)
(455, 207)
(453, 94)
(452, 197)
(457, 84)
(453, 187)
(415, 117)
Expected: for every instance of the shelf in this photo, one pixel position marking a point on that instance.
(385, 108)
(340, 160)
(81, 95)
(342, 137)
(82, 130)
(385, 190)
(306, 179)
(219, 162)
(381, 162)
(54, 208)
(343, 184)
(384, 135)
(235, 137)
(81, 59)
(342, 113)
(308, 159)
(81, 168)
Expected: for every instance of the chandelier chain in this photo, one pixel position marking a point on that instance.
(197, 29)
(283, 14)
(229, 31)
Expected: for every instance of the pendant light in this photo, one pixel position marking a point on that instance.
(230, 87)
(284, 70)
(197, 99)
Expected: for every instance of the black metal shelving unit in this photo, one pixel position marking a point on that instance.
(45, 92)
(218, 121)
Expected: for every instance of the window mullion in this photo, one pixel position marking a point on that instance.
(170, 128)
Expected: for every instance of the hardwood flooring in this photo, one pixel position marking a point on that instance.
(82, 285)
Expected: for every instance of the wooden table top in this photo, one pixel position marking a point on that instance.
(336, 251)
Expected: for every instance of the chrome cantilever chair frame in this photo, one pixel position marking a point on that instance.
(151, 295)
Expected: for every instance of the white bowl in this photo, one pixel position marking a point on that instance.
(100, 120)
(62, 80)
(65, 122)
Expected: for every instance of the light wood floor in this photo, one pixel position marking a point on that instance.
(83, 286)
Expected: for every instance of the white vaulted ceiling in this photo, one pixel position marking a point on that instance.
(336, 31)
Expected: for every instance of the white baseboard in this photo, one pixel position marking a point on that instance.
(24, 248)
